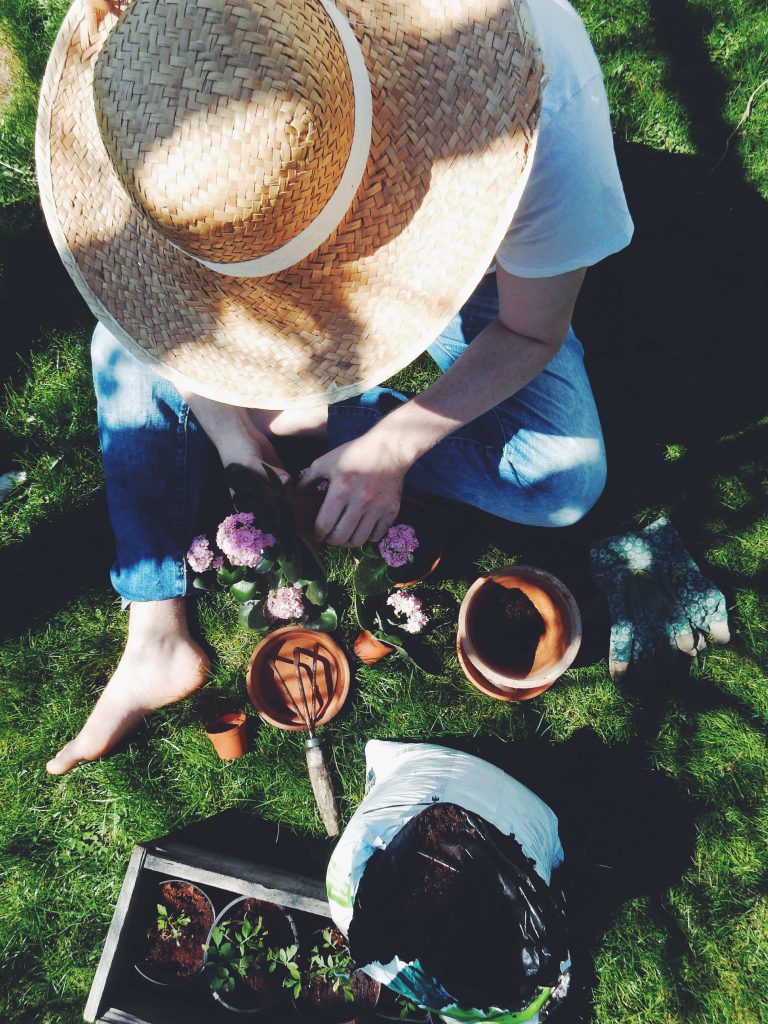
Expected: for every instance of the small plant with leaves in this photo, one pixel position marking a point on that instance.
(170, 925)
(268, 567)
(236, 950)
(330, 964)
(409, 1010)
(284, 961)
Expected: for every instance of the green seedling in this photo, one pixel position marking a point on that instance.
(332, 965)
(235, 949)
(170, 925)
(284, 961)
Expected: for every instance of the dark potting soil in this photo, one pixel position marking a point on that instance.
(462, 898)
(506, 627)
(180, 960)
(318, 1000)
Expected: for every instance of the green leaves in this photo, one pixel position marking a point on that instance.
(245, 590)
(227, 577)
(326, 621)
(371, 576)
(251, 614)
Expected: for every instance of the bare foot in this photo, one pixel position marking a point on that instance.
(161, 664)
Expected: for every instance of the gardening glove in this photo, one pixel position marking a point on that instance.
(658, 598)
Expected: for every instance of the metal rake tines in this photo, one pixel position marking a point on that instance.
(310, 704)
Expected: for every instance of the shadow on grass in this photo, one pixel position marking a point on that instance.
(628, 832)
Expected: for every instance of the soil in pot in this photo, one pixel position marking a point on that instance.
(318, 1000)
(173, 942)
(431, 541)
(259, 989)
(506, 627)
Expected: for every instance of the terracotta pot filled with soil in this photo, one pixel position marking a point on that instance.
(179, 916)
(238, 955)
(519, 630)
(340, 997)
(229, 735)
(370, 650)
(265, 689)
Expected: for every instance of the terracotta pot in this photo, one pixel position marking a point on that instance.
(267, 694)
(419, 510)
(370, 650)
(229, 735)
(305, 505)
(557, 646)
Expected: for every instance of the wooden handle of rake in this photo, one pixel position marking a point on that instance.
(322, 787)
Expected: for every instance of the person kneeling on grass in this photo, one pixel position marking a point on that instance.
(267, 287)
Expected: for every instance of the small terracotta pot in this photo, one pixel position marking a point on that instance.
(370, 650)
(267, 694)
(557, 646)
(229, 735)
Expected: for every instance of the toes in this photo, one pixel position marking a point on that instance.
(67, 758)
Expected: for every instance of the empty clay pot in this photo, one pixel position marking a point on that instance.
(557, 646)
(266, 692)
(229, 735)
(370, 650)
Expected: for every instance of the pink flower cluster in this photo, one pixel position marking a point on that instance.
(200, 556)
(285, 603)
(398, 544)
(409, 606)
(241, 542)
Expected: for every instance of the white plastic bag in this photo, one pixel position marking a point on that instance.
(402, 780)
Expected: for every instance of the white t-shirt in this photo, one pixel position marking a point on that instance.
(572, 212)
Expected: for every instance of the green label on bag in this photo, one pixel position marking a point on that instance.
(339, 890)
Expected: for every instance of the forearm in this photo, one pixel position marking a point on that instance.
(498, 363)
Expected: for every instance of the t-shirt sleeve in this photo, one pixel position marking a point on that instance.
(573, 212)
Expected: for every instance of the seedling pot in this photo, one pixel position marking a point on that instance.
(242, 1001)
(557, 646)
(335, 1010)
(166, 975)
(229, 735)
(370, 650)
(265, 692)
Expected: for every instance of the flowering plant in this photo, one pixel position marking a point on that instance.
(267, 566)
(374, 561)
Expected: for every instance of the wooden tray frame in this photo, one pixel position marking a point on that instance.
(212, 870)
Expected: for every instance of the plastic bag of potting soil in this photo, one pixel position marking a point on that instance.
(442, 882)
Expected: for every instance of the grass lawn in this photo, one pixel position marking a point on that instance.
(661, 789)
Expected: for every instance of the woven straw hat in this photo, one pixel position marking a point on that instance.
(280, 203)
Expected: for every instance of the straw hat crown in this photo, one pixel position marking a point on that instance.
(229, 125)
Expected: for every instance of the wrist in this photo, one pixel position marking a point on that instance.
(392, 444)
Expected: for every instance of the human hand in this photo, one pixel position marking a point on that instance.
(659, 600)
(364, 488)
(235, 436)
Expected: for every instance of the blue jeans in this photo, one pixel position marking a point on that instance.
(538, 458)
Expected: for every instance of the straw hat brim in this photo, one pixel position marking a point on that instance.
(450, 154)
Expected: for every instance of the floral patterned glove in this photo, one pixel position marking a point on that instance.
(658, 598)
